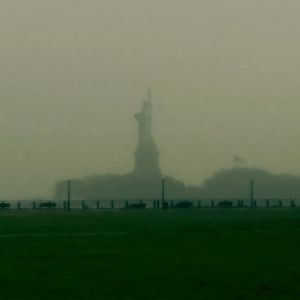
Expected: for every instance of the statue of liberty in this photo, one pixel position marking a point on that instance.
(146, 155)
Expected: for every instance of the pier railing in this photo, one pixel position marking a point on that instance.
(149, 204)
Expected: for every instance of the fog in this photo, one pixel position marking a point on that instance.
(224, 75)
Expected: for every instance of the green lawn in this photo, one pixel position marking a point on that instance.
(153, 254)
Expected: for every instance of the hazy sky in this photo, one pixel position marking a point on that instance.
(225, 76)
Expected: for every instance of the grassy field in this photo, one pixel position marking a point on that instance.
(188, 254)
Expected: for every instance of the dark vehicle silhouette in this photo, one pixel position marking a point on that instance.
(136, 206)
(48, 205)
(183, 204)
(225, 204)
(4, 205)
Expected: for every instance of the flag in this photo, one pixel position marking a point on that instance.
(239, 160)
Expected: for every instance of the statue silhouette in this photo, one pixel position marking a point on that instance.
(146, 155)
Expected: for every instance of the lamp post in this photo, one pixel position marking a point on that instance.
(69, 195)
(163, 191)
(252, 193)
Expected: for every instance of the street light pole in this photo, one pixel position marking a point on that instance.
(252, 193)
(69, 195)
(163, 190)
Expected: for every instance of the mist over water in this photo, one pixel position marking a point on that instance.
(224, 75)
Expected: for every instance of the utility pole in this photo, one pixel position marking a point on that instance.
(69, 195)
(252, 193)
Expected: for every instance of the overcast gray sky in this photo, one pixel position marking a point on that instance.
(225, 77)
